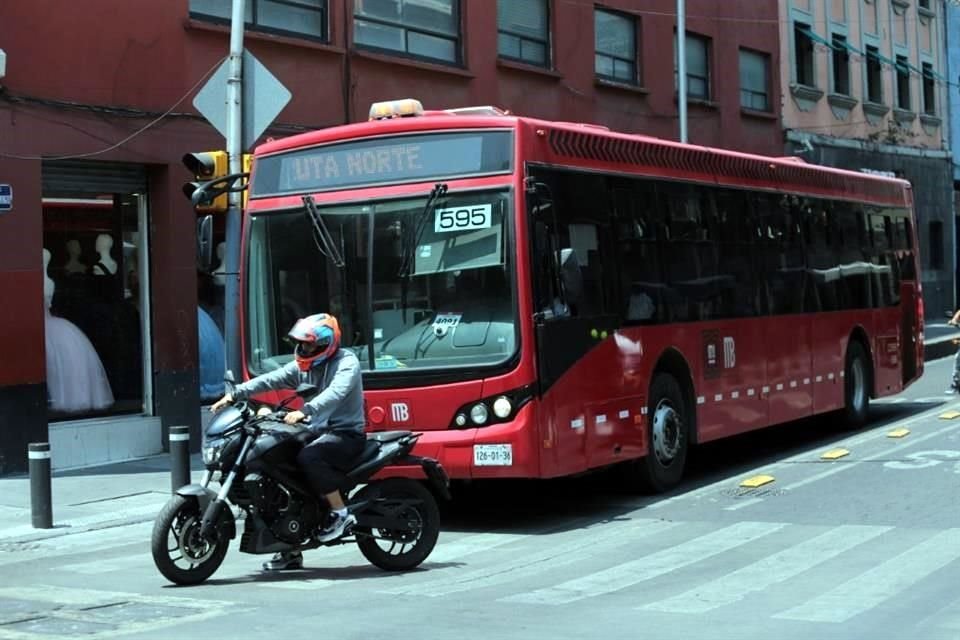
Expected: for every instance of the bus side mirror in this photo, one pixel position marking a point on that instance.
(205, 243)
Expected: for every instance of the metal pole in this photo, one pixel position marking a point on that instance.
(179, 457)
(41, 504)
(682, 67)
(231, 304)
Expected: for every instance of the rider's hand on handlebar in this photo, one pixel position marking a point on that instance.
(222, 402)
(294, 417)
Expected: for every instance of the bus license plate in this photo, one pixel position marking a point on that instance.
(493, 455)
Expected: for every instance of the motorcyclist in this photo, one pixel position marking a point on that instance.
(335, 417)
(955, 383)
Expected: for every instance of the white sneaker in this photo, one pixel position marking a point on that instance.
(284, 561)
(338, 526)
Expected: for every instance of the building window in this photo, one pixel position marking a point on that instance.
(874, 76)
(929, 90)
(523, 31)
(428, 29)
(754, 80)
(924, 4)
(841, 65)
(803, 55)
(616, 43)
(903, 83)
(698, 66)
(301, 18)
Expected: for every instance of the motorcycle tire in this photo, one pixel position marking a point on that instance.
(181, 517)
(398, 550)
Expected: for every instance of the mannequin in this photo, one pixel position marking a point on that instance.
(76, 380)
(106, 265)
(218, 273)
(73, 262)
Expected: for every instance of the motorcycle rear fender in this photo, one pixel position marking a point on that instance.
(434, 472)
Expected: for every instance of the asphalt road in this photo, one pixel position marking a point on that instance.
(864, 546)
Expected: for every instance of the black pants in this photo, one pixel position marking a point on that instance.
(325, 460)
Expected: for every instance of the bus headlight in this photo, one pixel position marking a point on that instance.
(479, 413)
(461, 419)
(502, 407)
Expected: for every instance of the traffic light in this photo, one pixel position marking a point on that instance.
(207, 168)
(247, 165)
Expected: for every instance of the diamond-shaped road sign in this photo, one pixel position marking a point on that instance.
(263, 99)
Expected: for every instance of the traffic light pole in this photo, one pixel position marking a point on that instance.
(234, 152)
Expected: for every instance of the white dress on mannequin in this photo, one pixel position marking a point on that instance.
(106, 262)
(76, 379)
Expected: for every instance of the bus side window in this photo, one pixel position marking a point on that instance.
(638, 235)
(735, 253)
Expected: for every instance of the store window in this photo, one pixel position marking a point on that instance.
(96, 323)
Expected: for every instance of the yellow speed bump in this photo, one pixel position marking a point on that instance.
(834, 454)
(756, 481)
(898, 433)
(950, 415)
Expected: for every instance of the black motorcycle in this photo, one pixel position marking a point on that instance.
(254, 456)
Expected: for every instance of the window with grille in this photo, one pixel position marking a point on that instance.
(424, 29)
(300, 18)
(523, 31)
(754, 80)
(616, 47)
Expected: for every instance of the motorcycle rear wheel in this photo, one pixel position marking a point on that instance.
(177, 531)
(401, 549)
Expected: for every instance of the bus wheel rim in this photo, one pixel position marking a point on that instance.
(667, 432)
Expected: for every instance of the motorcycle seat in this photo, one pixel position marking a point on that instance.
(374, 441)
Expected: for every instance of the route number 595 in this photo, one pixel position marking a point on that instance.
(462, 218)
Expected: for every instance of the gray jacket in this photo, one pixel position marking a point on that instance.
(338, 406)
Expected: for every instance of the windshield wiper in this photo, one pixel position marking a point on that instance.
(411, 236)
(321, 235)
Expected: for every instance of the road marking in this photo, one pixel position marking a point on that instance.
(757, 481)
(867, 437)
(553, 556)
(835, 454)
(769, 571)
(650, 566)
(881, 583)
(898, 433)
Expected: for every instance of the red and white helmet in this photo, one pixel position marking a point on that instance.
(317, 337)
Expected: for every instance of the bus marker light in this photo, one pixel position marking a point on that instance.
(834, 454)
(756, 481)
(898, 433)
(950, 415)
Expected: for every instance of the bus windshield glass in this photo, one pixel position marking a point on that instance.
(440, 269)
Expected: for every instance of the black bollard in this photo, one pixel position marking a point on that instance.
(41, 504)
(179, 457)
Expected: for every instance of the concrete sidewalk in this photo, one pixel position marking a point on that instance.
(89, 499)
(131, 492)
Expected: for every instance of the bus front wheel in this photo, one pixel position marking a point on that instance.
(668, 423)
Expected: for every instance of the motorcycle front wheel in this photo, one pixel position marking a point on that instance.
(181, 555)
(401, 500)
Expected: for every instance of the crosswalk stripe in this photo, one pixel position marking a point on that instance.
(769, 571)
(554, 555)
(444, 552)
(881, 583)
(648, 567)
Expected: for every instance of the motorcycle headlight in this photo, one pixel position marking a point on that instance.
(211, 452)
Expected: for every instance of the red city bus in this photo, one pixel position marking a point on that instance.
(545, 298)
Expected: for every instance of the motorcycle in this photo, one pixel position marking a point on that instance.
(253, 455)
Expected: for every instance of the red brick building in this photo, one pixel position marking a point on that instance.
(96, 112)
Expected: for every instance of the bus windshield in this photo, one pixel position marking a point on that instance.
(414, 283)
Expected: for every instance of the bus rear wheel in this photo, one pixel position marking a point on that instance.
(668, 423)
(856, 385)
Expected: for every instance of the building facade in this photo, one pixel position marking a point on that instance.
(866, 89)
(953, 92)
(109, 335)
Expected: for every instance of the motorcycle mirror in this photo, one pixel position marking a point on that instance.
(307, 391)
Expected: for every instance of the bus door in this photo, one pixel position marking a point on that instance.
(573, 272)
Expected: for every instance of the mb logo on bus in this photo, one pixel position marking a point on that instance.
(400, 411)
